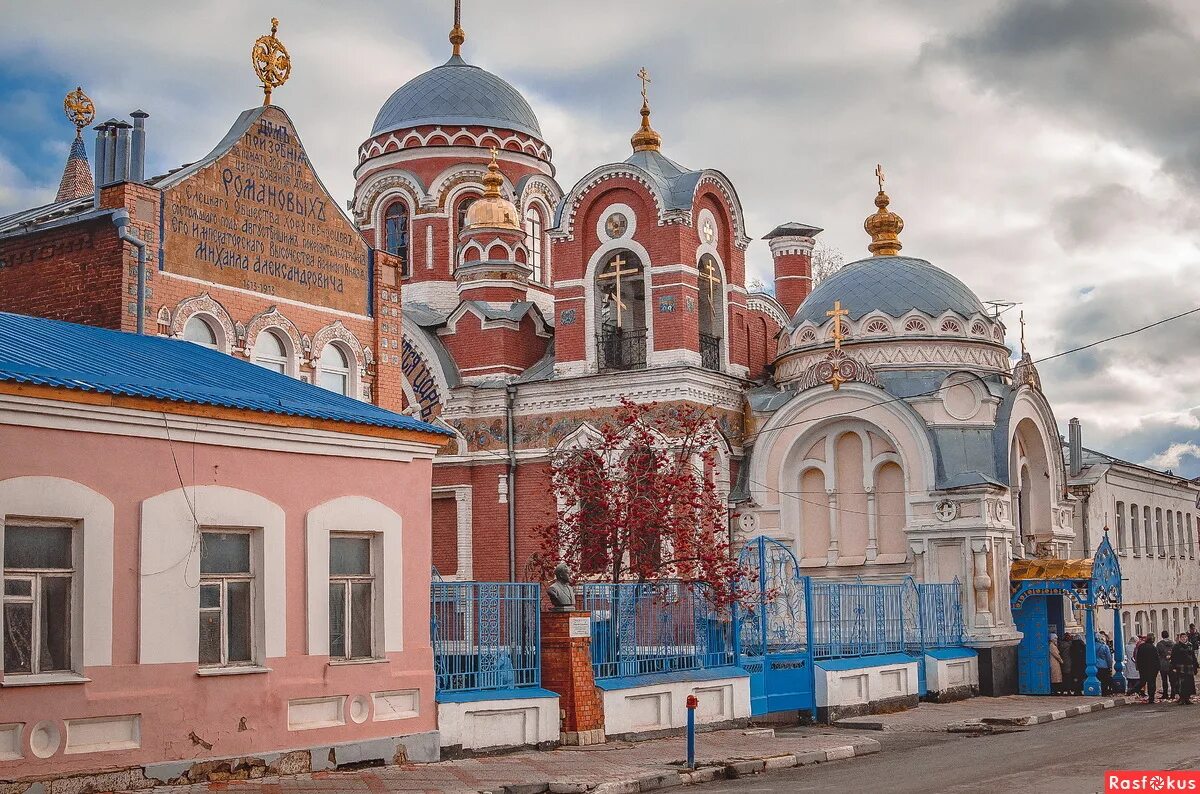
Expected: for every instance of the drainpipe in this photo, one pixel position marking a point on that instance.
(121, 221)
(510, 396)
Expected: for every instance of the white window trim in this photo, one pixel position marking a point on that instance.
(360, 515)
(353, 386)
(169, 614)
(44, 498)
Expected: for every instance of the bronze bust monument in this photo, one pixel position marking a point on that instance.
(562, 595)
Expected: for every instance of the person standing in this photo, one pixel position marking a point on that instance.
(1064, 653)
(1183, 666)
(1132, 675)
(1147, 662)
(1164, 647)
(1056, 671)
(1104, 663)
(1194, 637)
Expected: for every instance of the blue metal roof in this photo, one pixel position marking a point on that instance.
(45, 352)
(676, 182)
(457, 94)
(894, 285)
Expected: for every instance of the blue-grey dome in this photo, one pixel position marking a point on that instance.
(894, 285)
(457, 94)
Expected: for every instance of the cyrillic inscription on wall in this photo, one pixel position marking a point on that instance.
(420, 379)
(258, 218)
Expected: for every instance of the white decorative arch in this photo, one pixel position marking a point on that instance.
(363, 515)
(732, 203)
(780, 446)
(583, 437)
(93, 515)
(169, 614)
(589, 295)
(293, 341)
(597, 177)
(337, 334)
(473, 172)
(379, 188)
(210, 308)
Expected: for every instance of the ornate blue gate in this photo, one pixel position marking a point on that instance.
(773, 633)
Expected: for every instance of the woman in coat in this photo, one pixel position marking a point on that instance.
(1183, 665)
(1132, 677)
(1146, 659)
(1056, 673)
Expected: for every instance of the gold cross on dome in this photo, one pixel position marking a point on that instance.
(879, 175)
(617, 263)
(645, 76)
(837, 313)
(1022, 332)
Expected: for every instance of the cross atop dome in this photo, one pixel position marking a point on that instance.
(645, 139)
(883, 225)
(457, 34)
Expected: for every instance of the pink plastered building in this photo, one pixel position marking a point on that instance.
(200, 576)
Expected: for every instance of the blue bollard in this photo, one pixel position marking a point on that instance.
(691, 728)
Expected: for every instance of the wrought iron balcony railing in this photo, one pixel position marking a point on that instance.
(621, 348)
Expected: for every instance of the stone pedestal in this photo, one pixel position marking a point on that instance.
(567, 670)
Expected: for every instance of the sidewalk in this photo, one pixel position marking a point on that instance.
(981, 713)
(603, 769)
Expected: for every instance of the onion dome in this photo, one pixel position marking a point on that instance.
(645, 139)
(883, 225)
(492, 210)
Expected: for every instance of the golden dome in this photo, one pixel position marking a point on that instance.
(492, 210)
(883, 225)
(645, 139)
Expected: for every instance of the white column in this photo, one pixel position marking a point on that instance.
(981, 582)
(832, 554)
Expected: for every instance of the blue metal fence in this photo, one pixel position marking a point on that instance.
(856, 619)
(486, 635)
(654, 627)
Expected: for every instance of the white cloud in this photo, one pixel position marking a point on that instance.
(1172, 457)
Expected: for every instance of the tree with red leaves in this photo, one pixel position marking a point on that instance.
(642, 503)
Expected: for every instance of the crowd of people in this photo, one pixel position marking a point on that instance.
(1171, 663)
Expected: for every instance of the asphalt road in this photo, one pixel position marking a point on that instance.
(1059, 757)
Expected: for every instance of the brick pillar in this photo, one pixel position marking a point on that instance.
(567, 670)
(791, 248)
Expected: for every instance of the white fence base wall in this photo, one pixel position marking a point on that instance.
(649, 707)
(952, 675)
(866, 685)
(493, 724)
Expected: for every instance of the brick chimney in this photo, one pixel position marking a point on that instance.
(791, 248)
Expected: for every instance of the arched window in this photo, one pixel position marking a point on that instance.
(1134, 530)
(620, 291)
(711, 312)
(1158, 532)
(1149, 530)
(461, 217)
(333, 370)
(395, 232)
(270, 352)
(534, 241)
(1121, 543)
(1191, 539)
(1170, 533)
(200, 331)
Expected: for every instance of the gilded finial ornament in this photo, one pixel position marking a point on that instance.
(271, 62)
(883, 225)
(492, 210)
(457, 34)
(79, 109)
(645, 139)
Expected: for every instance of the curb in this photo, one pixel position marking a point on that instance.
(720, 770)
(1060, 714)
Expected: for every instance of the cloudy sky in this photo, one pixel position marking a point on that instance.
(1045, 151)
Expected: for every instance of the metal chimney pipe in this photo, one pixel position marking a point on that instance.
(1075, 446)
(121, 171)
(137, 155)
(110, 151)
(101, 159)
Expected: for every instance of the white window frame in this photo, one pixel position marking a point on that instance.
(534, 238)
(34, 577)
(348, 580)
(345, 372)
(223, 580)
(285, 360)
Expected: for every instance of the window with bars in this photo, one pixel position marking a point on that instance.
(39, 581)
(351, 597)
(226, 600)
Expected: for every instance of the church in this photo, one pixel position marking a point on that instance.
(874, 425)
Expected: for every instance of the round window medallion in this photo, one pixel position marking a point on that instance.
(616, 225)
(44, 739)
(946, 510)
(360, 708)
